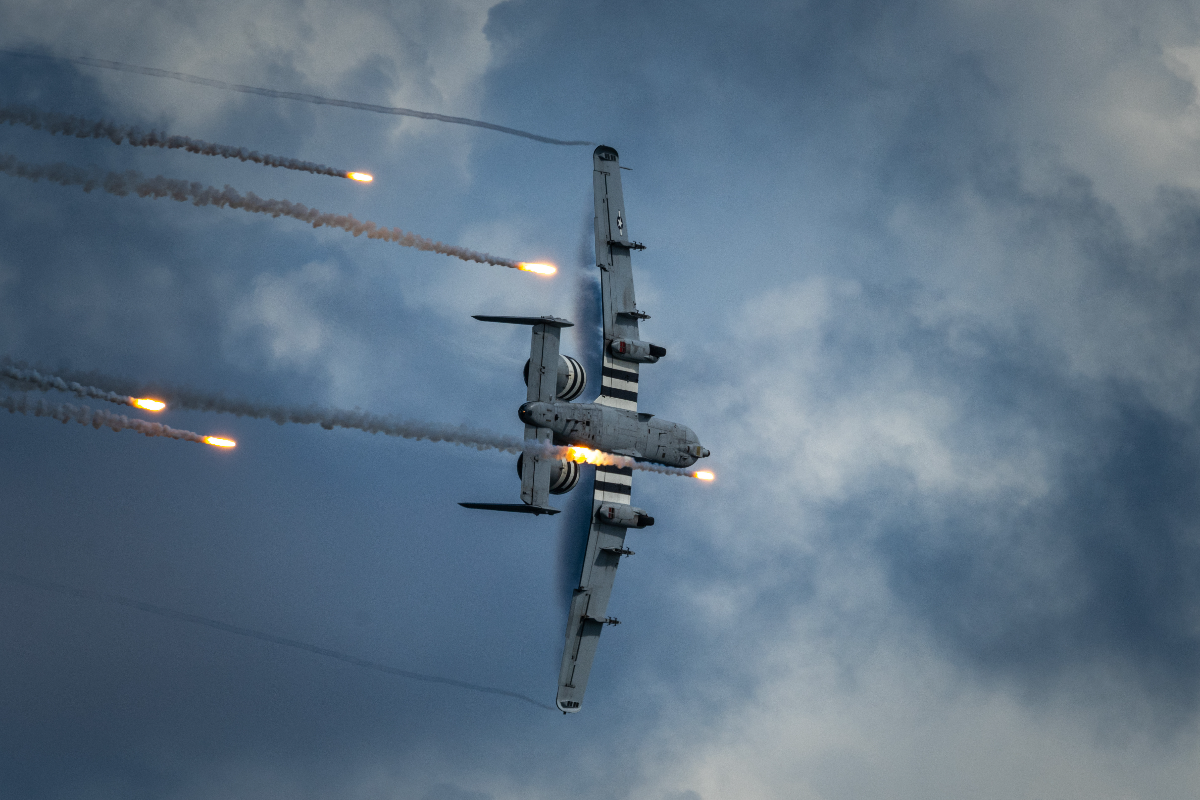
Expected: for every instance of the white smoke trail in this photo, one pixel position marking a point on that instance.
(302, 97)
(22, 404)
(125, 183)
(82, 128)
(32, 377)
(330, 418)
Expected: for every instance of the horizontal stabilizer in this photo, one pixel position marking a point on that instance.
(553, 322)
(519, 508)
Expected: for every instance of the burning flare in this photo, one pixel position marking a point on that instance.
(361, 177)
(218, 442)
(582, 455)
(147, 403)
(23, 404)
(540, 269)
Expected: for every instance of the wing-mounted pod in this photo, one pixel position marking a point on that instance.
(636, 350)
(537, 472)
(622, 515)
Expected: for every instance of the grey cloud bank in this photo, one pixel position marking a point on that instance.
(927, 276)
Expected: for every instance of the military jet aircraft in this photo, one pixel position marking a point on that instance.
(612, 424)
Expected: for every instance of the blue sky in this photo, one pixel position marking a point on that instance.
(926, 273)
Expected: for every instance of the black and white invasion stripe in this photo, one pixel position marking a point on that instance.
(613, 484)
(619, 384)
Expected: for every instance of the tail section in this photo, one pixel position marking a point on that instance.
(542, 383)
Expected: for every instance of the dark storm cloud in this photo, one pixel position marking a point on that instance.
(1104, 571)
(722, 76)
(1099, 578)
(895, 110)
(1091, 590)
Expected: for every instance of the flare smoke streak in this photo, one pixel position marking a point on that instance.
(122, 184)
(35, 379)
(328, 418)
(196, 619)
(301, 96)
(82, 128)
(22, 404)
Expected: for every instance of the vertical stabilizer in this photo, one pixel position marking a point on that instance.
(542, 382)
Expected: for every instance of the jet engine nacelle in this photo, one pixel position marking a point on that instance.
(572, 378)
(636, 350)
(623, 515)
(562, 480)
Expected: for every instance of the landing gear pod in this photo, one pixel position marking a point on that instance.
(572, 378)
(624, 516)
(562, 479)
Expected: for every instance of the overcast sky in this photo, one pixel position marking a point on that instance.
(928, 277)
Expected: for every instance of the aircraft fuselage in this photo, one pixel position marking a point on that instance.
(615, 430)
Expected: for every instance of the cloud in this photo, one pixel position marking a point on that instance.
(283, 311)
(904, 724)
(413, 55)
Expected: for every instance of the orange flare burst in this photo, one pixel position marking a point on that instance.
(148, 404)
(704, 475)
(361, 177)
(216, 441)
(540, 269)
(582, 455)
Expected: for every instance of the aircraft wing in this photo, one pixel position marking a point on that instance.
(619, 378)
(619, 388)
(589, 601)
